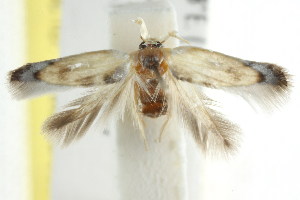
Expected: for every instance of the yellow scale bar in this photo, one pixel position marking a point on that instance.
(43, 20)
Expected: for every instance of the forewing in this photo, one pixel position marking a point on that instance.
(87, 69)
(267, 83)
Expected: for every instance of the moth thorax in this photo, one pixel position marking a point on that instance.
(150, 58)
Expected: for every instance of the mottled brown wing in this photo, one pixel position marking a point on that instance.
(264, 82)
(87, 69)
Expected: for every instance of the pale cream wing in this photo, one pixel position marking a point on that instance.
(86, 69)
(211, 130)
(266, 83)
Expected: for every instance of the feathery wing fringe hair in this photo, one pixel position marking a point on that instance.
(152, 81)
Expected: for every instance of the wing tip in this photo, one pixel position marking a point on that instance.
(272, 91)
(271, 74)
(22, 81)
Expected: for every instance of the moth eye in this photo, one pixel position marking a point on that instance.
(142, 45)
(158, 44)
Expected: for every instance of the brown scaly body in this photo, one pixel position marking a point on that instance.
(151, 100)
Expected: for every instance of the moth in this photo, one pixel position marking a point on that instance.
(153, 81)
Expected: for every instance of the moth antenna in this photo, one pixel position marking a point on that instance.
(175, 34)
(144, 31)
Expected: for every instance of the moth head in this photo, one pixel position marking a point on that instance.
(151, 44)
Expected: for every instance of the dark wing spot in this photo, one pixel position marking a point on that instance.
(177, 76)
(115, 76)
(270, 73)
(108, 79)
(29, 72)
(227, 144)
(16, 75)
(279, 73)
(86, 81)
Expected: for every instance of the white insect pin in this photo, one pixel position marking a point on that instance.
(152, 81)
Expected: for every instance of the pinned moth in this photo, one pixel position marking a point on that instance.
(152, 81)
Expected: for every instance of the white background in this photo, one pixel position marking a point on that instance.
(13, 146)
(267, 166)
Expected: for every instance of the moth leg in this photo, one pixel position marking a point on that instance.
(163, 128)
(141, 125)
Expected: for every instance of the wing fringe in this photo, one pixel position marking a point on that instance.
(213, 133)
(70, 125)
(105, 104)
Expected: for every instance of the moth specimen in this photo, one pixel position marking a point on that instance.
(152, 81)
